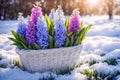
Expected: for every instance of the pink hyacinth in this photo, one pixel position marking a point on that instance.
(74, 25)
(35, 13)
(32, 21)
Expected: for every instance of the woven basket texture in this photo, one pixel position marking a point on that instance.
(57, 59)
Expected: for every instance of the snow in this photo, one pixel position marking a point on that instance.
(102, 43)
(6, 26)
(15, 74)
(113, 55)
(104, 68)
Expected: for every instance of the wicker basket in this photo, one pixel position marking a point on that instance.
(56, 59)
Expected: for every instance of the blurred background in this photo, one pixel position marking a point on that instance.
(9, 8)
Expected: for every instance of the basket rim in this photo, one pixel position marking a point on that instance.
(80, 45)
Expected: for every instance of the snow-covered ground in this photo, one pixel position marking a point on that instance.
(100, 54)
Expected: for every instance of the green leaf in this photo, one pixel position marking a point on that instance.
(51, 30)
(81, 24)
(67, 23)
(35, 46)
(24, 45)
(22, 39)
(78, 35)
(71, 40)
(85, 32)
(67, 42)
(50, 24)
(81, 34)
(29, 47)
(55, 45)
(14, 40)
(18, 45)
(14, 34)
(47, 20)
(51, 41)
(19, 41)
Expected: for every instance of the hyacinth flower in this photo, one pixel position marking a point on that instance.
(60, 32)
(21, 29)
(30, 32)
(42, 34)
(74, 24)
(36, 12)
(59, 29)
(59, 12)
(52, 14)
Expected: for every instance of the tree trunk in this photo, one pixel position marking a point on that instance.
(4, 13)
(110, 15)
(110, 8)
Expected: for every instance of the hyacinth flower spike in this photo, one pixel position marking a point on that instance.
(30, 32)
(60, 30)
(59, 12)
(52, 14)
(21, 29)
(31, 26)
(42, 34)
(36, 12)
(74, 24)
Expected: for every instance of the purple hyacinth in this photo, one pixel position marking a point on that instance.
(31, 26)
(30, 33)
(42, 34)
(74, 25)
(35, 13)
(60, 32)
(21, 27)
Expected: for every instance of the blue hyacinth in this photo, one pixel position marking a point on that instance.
(59, 13)
(60, 32)
(42, 34)
(52, 14)
(21, 27)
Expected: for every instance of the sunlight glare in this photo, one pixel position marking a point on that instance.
(93, 2)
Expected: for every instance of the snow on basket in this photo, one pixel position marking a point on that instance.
(50, 59)
(51, 42)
